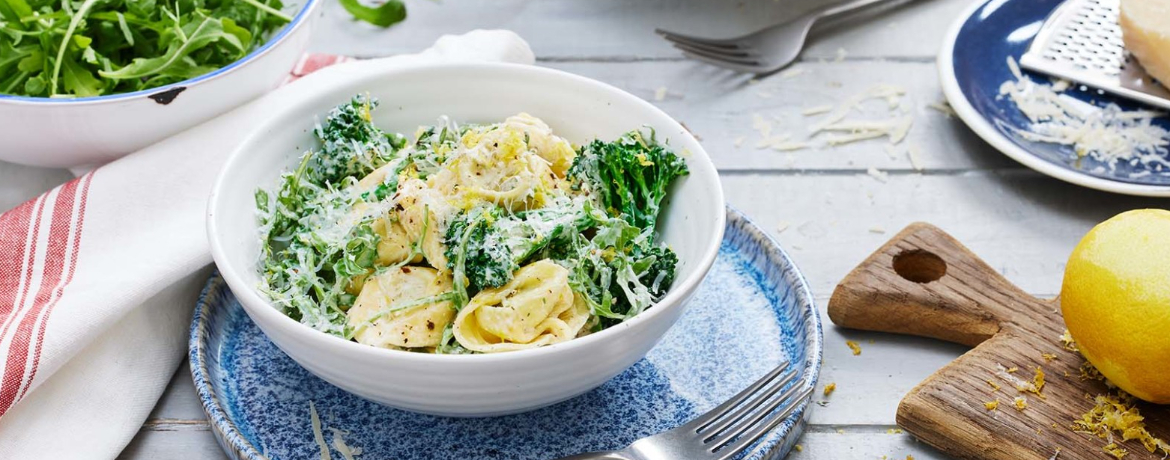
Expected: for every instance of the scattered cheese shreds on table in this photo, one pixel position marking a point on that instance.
(994, 386)
(793, 72)
(1109, 135)
(830, 388)
(782, 226)
(841, 53)
(853, 346)
(877, 229)
(915, 155)
(660, 93)
(894, 431)
(879, 175)
(943, 107)
(817, 110)
(991, 405)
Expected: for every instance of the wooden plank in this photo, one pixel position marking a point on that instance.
(721, 110)
(179, 401)
(604, 30)
(1022, 223)
(818, 443)
(191, 441)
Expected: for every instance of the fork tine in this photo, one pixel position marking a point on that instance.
(716, 430)
(747, 438)
(742, 52)
(705, 420)
(716, 42)
(724, 64)
(741, 60)
(756, 413)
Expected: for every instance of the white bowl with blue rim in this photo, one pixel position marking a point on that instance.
(577, 108)
(753, 311)
(88, 131)
(972, 66)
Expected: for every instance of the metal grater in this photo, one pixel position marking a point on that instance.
(1081, 41)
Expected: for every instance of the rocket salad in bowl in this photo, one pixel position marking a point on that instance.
(468, 238)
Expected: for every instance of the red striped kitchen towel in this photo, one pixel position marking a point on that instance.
(98, 276)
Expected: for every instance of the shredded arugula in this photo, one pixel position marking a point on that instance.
(51, 48)
(314, 244)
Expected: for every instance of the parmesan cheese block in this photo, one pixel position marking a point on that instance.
(1145, 28)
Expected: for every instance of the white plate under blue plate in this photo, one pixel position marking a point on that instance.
(972, 66)
(752, 312)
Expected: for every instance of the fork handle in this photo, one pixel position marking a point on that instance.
(843, 7)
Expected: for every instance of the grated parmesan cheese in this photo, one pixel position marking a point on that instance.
(817, 110)
(781, 227)
(915, 156)
(318, 436)
(878, 175)
(660, 93)
(347, 452)
(1109, 135)
(943, 107)
(793, 72)
(841, 53)
(877, 229)
(739, 142)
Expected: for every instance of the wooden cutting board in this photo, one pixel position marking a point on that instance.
(923, 282)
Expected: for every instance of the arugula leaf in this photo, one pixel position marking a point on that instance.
(384, 15)
(79, 81)
(198, 35)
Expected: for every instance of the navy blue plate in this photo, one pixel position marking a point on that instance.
(752, 312)
(973, 65)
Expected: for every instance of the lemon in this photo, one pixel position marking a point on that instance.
(1116, 301)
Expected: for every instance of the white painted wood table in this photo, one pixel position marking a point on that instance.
(1018, 220)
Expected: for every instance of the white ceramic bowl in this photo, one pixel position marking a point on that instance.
(577, 108)
(89, 131)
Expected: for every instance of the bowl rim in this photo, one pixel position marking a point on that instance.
(299, 20)
(327, 343)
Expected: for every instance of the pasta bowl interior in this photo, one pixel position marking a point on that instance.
(464, 375)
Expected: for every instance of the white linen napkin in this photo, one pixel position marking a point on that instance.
(98, 277)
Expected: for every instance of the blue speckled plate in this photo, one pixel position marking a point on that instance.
(753, 311)
(972, 66)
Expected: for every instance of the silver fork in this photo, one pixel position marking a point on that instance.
(722, 432)
(763, 51)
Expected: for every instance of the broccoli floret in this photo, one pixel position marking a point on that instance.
(499, 243)
(629, 176)
(351, 146)
(473, 239)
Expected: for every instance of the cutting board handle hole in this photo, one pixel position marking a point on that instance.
(919, 266)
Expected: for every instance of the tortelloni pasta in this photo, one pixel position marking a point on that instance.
(470, 239)
(535, 308)
(393, 310)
